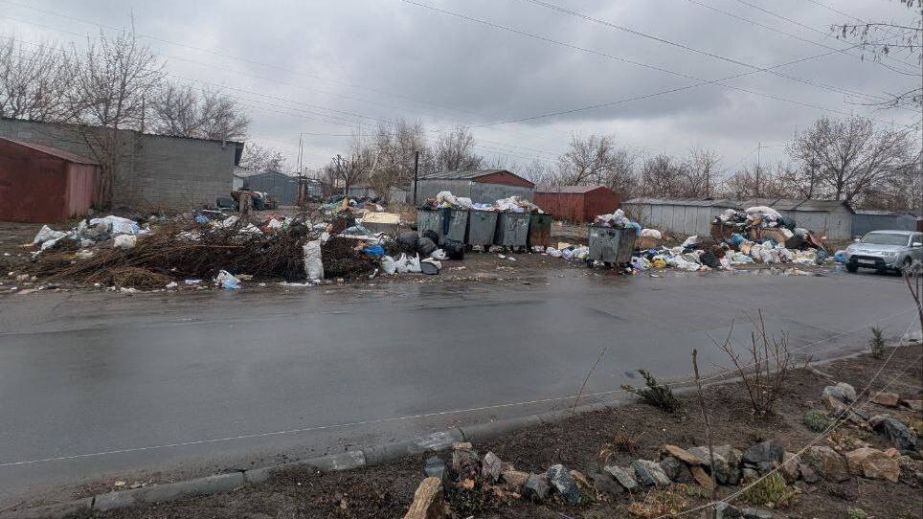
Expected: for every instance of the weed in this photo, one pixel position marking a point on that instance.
(877, 343)
(655, 394)
(660, 503)
(816, 421)
(771, 491)
(622, 443)
(856, 513)
(767, 368)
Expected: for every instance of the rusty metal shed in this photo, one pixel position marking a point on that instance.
(578, 204)
(41, 184)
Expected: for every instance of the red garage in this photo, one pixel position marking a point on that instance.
(41, 184)
(576, 204)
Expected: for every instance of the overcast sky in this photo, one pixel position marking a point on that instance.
(333, 66)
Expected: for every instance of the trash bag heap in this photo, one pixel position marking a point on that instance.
(758, 235)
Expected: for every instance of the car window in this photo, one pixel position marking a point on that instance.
(885, 238)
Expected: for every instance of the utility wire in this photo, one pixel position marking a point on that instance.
(688, 48)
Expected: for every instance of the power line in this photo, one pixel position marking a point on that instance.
(843, 51)
(688, 48)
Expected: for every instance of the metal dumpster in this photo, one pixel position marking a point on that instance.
(482, 225)
(540, 230)
(512, 229)
(611, 245)
(446, 223)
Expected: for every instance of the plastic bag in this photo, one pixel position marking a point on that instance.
(374, 251)
(125, 241)
(554, 253)
(438, 255)
(47, 233)
(400, 265)
(388, 265)
(640, 263)
(690, 241)
(313, 264)
(430, 267)
(651, 233)
(118, 225)
(413, 264)
(226, 280)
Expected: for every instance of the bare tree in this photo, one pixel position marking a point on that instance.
(395, 147)
(355, 167)
(261, 158)
(661, 175)
(849, 157)
(181, 111)
(34, 84)
(113, 80)
(596, 160)
(455, 151)
(699, 171)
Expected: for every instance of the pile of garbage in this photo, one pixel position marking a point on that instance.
(358, 205)
(617, 220)
(513, 204)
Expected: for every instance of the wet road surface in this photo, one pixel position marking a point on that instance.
(96, 385)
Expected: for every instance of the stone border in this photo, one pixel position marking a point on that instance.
(376, 455)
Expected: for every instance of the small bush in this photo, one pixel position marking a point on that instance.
(857, 513)
(816, 421)
(771, 491)
(622, 443)
(877, 343)
(655, 394)
(660, 503)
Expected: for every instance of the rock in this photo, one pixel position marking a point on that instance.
(435, 468)
(789, 467)
(807, 473)
(816, 421)
(842, 392)
(767, 453)
(491, 467)
(605, 484)
(897, 433)
(727, 463)
(827, 463)
(428, 502)
(650, 474)
(916, 405)
(625, 477)
(886, 399)
(536, 488)
(564, 484)
(749, 475)
(755, 513)
(726, 511)
(892, 452)
(873, 464)
(683, 455)
(515, 479)
(465, 462)
(464, 446)
(701, 477)
(672, 467)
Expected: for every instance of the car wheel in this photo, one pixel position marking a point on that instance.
(852, 267)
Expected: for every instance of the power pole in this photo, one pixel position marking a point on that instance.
(759, 148)
(416, 172)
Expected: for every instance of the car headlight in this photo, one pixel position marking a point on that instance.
(889, 254)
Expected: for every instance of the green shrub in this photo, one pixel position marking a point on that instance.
(816, 421)
(771, 491)
(857, 513)
(655, 394)
(877, 343)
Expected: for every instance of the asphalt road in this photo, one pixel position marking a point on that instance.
(103, 386)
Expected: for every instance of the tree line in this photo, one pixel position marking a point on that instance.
(834, 159)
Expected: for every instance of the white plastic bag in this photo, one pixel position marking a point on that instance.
(413, 264)
(438, 255)
(313, 264)
(651, 233)
(554, 253)
(47, 233)
(690, 241)
(118, 225)
(125, 241)
(388, 265)
(226, 280)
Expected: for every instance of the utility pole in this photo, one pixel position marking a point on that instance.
(416, 172)
(759, 148)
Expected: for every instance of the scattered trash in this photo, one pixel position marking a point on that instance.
(226, 280)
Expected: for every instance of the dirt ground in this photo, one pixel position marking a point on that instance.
(386, 491)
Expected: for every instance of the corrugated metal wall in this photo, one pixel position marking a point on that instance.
(678, 219)
(279, 186)
(864, 223)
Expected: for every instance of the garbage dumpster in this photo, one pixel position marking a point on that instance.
(512, 229)
(612, 246)
(540, 230)
(481, 228)
(447, 223)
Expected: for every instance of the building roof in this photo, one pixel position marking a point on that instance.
(470, 174)
(795, 204)
(879, 212)
(54, 152)
(690, 202)
(568, 189)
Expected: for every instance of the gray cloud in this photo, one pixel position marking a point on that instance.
(307, 66)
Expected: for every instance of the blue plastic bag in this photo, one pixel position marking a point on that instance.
(374, 251)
